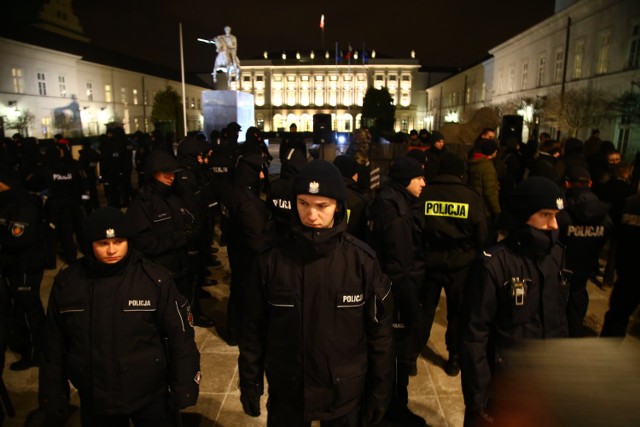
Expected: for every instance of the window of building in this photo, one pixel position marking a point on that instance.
(145, 97)
(559, 66)
(108, 97)
(62, 86)
(42, 84)
(483, 93)
(46, 127)
(603, 53)
(542, 63)
(525, 75)
(123, 96)
(89, 91)
(378, 82)
(578, 57)
(501, 82)
(634, 48)
(18, 80)
(135, 96)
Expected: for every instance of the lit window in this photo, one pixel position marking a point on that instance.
(557, 74)
(542, 63)
(525, 75)
(123, 96)
(89, 91)
(578, 57)
(634, 48)
(135, 96)
(603, 54)
(107, 93)
(62, 86)
(18, 80)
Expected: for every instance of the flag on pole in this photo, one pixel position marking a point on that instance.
(348, 55)
(322, 21)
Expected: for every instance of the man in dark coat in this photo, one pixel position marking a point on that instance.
(248, 228)
(454, 231)
(120, 332)
(315, 320)
(279, 197)
(396, 238)
(585, 226)
(517, 290)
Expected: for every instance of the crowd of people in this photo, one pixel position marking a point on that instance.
(334, 285)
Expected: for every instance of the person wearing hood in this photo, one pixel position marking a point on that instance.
(120, 332)
(397, 239)
(585, 226)
(22, 266)
(316, 319)
(164, 225)
(517, 290)
(248, 228)
(279, 197)
(357, 201)
(434, 155)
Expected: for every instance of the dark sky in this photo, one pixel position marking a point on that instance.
(443, 32)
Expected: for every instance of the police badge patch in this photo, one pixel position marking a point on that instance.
(17, 228)
(197, 377)
(190, 316)
(314, 187)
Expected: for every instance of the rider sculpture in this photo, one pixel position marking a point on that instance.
(227, 59)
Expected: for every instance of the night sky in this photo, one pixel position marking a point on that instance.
(443, 33)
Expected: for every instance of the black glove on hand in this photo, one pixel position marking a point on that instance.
(250, 403)
(375, 413)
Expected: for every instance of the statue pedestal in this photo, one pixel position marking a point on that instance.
(220, 107)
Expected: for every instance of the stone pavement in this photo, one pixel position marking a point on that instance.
(434, 395)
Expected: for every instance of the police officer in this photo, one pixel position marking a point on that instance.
(21, 267)
(585, 226)
(279, 198)
(62, 184)
(292, 140)
(454, 232)
(248, 227)
(357, 202)
(118, 329)
(89, 160)
(315, 319)
(164, 226)
(396, 238)
(519, 291)
(625, 296)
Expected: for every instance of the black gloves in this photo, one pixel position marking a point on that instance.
(374, 413)
(250, 402)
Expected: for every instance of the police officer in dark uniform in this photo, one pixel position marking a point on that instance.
(248, 227)
(118, 329)
(357, 202)
(396, 238)
(454, 232)
(625, 296)
(21, 267)
(316, 320)
(293, 140)
(89, 160)
(279, 197)
(62, 184)
(164, 226)
(519, 291)
(585, 226)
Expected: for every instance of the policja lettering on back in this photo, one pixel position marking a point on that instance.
(455, 210)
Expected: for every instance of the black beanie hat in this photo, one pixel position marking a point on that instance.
(160, 161)
(419, 155)
(320, 178)
(347, 165)
(105, 223)
(450, 164)
(533, 194)
(436, 136)
(404, 169)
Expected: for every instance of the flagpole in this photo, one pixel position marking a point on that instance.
(184, 96)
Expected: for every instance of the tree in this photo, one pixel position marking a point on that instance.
(578, 109)
(167, 107)
(378, 108)
(22, 122)
(626, 105)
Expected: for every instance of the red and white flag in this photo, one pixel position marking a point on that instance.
(349, 53)
(322, 21)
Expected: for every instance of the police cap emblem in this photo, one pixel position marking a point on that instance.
(314, 187)
(560, 203)
(109, 233)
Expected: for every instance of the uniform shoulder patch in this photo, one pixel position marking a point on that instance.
(359, 243)
(491, 251)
